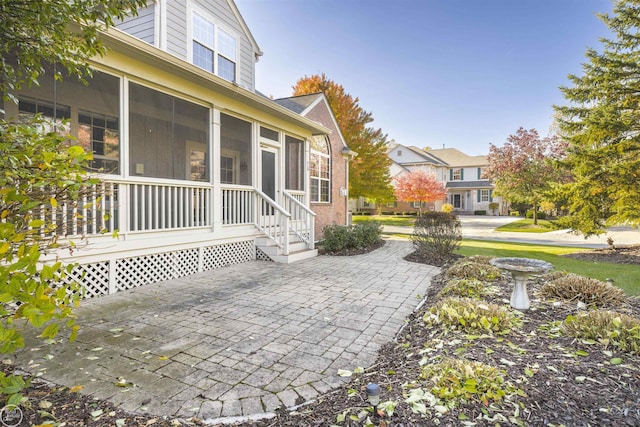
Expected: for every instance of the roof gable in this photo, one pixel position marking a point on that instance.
(305, 104)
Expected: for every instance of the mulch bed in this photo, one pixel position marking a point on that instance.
(565, 381)
(622, 255)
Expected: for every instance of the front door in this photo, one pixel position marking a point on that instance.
(269, 162)
(457, 201)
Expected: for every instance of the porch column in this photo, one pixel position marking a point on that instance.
(215, 170)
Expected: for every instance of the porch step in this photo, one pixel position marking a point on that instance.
(297, 251)
(295, 256)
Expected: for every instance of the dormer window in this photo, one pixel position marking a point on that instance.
(213, 49)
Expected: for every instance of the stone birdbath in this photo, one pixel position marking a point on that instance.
(521, 269)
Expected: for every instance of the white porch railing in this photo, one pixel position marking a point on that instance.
(238, 205)
(138, 206)
(165, 206)
(273, 221)
(246, 205)
(302, 218)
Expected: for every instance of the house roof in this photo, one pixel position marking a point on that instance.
(428, 157)
(469, 184)
(131, 46)
(456, 158)
(303, 104)
(299, 103)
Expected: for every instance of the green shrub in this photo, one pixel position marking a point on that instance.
(480, 212)
(493, 206)
(590, 291)
(348, 237)
(466, 288)
(459, 380)
(540, 215)
(471, 316)
(514, 213)
(437, 235)
(606, 327)
(473, 270)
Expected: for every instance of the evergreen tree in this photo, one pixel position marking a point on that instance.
(601, 123)
(369, 172)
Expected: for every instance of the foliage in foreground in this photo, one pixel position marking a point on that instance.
(460, 380)
(590, 291)
(436, 235)
(471, 316)
(608, 328)
(349, 237)
(466, 288)
(473, 270)
(40, 171)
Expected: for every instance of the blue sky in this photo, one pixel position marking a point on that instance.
(458, 73)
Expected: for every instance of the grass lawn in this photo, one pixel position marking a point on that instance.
(526, 226)
(386, 219)
(625, 276)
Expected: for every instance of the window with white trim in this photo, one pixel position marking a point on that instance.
(485, 195)
(213, 49)
(320, 170)
(456, 174)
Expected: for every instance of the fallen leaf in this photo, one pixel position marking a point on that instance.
(76, 388)
(45, 404)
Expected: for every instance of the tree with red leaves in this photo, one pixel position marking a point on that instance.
(522, 169)
(418, 186)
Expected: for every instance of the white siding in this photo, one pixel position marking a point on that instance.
(402, 155)
(141, 26)
(177, 28)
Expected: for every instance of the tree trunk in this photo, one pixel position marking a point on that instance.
(535, 214)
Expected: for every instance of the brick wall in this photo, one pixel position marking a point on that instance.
(334, 212)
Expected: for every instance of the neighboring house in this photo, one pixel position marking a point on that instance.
(199, 170)
(329, 162)
(462, 175)
(468, 190)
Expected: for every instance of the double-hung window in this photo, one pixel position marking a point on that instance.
(319, 171)
(213, 49)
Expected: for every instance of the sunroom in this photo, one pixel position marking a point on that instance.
(196, 172)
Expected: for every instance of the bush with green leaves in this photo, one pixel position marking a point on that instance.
(436, 235)
(349, 237)
(468, 269)
(465, 381)
(40, 171)
(471, 316)
(608, 328)
(466, 288)
(593, 292)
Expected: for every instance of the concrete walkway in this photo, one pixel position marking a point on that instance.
(239, 340)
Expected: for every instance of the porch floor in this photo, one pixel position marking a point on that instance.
(239, 340)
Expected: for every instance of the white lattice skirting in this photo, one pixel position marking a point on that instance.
(102, 278)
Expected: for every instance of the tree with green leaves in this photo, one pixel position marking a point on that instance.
(601, 123)
(522, 170)
(39, 168)
(369, 172)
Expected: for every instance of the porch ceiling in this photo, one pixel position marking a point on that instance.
(131, 46)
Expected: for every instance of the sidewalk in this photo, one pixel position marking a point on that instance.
(239, 340)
